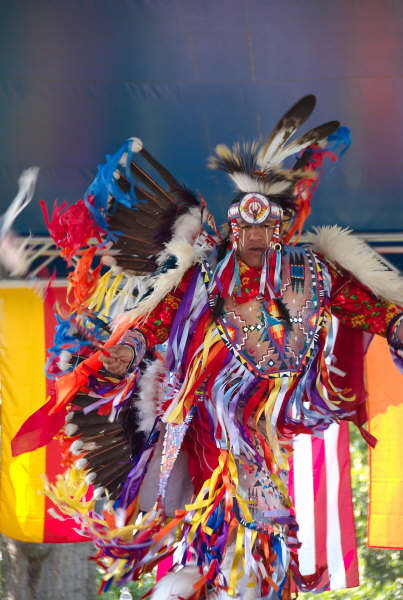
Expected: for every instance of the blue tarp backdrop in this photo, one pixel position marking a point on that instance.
(77, 78)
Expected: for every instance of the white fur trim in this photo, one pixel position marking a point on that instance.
(175, 585)
(163, 283)
(340, 246)
(150, 395)
(187, 226)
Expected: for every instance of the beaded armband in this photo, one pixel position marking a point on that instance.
(394, 333)
(136, 340)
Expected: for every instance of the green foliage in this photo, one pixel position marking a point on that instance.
(137, 589)
(380, 570)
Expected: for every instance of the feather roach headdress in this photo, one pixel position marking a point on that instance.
(258, 169)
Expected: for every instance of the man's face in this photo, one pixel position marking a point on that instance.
(254, 241)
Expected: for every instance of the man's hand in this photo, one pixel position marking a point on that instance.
(120, 356)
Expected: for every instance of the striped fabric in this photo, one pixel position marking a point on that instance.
(319, 483)
(320, 480)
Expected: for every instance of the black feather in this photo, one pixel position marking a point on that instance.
(165, 174)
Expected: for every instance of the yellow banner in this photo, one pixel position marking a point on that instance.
(385, 416)
(23, 390)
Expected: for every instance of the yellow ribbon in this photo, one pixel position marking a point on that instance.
(198, 365)
(95, 301)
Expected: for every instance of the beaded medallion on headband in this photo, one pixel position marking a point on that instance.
(255, 209)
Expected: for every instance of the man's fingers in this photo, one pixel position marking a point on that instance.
(118, 360)
(110, 362)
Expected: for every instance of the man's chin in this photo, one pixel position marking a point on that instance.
(253, 258)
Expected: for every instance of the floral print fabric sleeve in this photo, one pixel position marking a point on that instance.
(355, 305)
(155, 328)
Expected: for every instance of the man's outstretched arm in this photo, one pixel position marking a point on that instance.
(154, 330)
(355, 305)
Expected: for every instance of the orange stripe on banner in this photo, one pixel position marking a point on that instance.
(385, 416)
(23, 392)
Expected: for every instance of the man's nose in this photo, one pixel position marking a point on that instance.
(258, 233)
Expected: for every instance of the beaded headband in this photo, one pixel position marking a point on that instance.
(255, 209)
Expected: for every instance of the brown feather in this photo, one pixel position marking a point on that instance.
(290, 122)
(162, 198)
(165, 174)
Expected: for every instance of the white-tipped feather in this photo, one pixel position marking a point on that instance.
(285, 129)
(288, 150)
(341, 247)
(81, 463)
(295, 146)
(64, 360)
(90, 477)
(70, 429)
(76, 447)
(123, 163)
(136, 144)
(177, 585)
(265, 157)
(99, 492)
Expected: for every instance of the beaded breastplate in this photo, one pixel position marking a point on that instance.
(261, 334)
